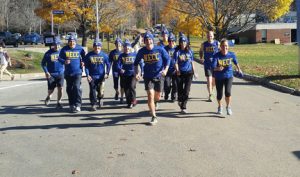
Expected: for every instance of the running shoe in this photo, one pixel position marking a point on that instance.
(229, 111)
(77, 109)
(116, 96)
(153, 121)
(59, 106)
(210, 98)
(220, 111)
(93, 108)
(100, 103)
(47, 101)
(183, 111)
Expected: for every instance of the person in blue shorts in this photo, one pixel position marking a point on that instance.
(184, 65)
(97, 68)
(223, 62)
(170, 85)
(156, 65)
(127, 72)
(207, 50)
(113, 58)
(72, 56)
(54, 72)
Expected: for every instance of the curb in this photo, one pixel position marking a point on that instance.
(267, 83)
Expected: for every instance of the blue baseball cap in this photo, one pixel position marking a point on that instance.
(97, 43)
(148, 35)
(171, 37)
(72, 38)
(56, 41)
(118, 40)
(165, 31)
(127, 43)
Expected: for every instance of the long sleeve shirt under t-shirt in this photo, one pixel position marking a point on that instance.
(75, 55)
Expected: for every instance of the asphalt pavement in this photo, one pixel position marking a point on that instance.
(260, 139)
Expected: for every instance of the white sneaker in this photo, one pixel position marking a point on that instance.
(220, 111)
(77, 109)
(184, 111)
(153, 120)
(93, 108)
(229, 111)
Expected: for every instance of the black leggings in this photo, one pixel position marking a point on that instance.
(219, 85)
(129, 83)
(184, 82)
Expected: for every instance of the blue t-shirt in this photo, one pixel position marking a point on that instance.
(51, 64)
(113, 59)
(76, 55)
(95, 64)
(209, 49)
(171, 52)
(126, 62)
(226, 61)
(184, 60)
(155, 61)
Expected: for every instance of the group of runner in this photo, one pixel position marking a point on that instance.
(165, 68)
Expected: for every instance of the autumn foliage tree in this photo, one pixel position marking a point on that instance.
(220, 15)
(83, 11)
(180, 21)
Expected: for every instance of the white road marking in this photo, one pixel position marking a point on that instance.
(2, 88)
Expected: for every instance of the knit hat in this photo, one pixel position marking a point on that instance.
(97, 43)
(148, 35)
(127, 43)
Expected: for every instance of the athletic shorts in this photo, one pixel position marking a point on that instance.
(208, 72)
(55, 81)
(154, 83)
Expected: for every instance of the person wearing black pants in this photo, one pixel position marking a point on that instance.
(170, 83)
(223, 69)
(185, 70)
(97, 67)
(127, 72)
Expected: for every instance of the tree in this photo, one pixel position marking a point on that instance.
(277, 8)
(83, 11)
(221, 15)
(180, 22)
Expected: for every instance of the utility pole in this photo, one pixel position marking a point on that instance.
(97, 19)
(298, 32)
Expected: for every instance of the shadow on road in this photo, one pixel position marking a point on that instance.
(297, 154)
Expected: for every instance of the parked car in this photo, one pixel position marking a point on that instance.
(6, 38)
(71, 34)
(32, 38)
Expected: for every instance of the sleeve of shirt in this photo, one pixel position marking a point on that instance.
(165, 57)
(235, 61)
(110, 57)
(82, 54)
(62, 56)
(87, 64)
(142, 66)
(139, 57)
(107, 64)
(192, 54)
(119, 63)
(175, 56)
(43, 63)
(215, 61)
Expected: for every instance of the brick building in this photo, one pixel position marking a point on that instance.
(267, 32)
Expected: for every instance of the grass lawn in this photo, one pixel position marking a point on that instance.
(278, 63)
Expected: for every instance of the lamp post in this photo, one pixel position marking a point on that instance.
(97, 19)
(298, 32)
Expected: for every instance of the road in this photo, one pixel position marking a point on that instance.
(260, 139)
